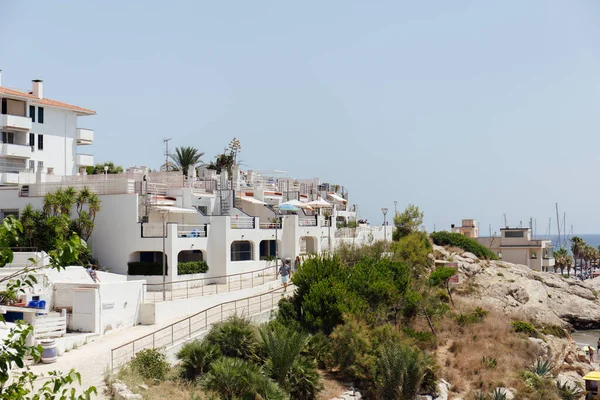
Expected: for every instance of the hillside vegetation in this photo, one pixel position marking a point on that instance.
(444, 238)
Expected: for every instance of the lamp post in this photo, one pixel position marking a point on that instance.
(384, 210)
(395, 207)
(164, 257)
(105, 171)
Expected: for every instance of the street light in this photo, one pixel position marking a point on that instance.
(395, 207)
(105, 171)
(384, 211)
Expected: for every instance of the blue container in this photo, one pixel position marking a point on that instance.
(34, 304)
(42, 304)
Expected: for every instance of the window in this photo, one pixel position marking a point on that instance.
(4, 107)
(32, 165)
(32, 113)
(513, 234)
(40, 142)
(41, 115)
(6, 213)
(32, 139)
(241, 250)
(8, 137)
(40, 164)
(533, 255)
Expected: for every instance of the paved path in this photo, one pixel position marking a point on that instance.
(92, 360)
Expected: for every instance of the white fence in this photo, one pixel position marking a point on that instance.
(242, 222)
(51, 325)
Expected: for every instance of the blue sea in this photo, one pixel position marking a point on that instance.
(592, 240)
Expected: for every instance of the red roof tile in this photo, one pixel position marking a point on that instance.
(47, 102)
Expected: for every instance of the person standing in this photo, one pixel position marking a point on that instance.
(297, 265)
(284, 271)
(591, 354)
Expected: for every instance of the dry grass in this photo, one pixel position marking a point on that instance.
(331, 387)
(461, 350)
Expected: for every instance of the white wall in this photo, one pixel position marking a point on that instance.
(120, 305)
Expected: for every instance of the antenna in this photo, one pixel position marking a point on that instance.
(505, 223)
(166, 141)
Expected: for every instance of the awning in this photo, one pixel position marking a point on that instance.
(176, 210)
(337, 198)
(319, 204)
(251, 200)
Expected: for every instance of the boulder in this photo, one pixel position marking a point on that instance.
(443, 387)
(470, 256)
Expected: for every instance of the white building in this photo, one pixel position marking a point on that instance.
(38, 133)
(231, 224)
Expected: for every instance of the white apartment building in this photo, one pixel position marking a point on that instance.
(234, 225)
(38, 133)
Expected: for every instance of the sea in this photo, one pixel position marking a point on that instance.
(591, 239)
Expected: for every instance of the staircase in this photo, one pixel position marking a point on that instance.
(224, 202)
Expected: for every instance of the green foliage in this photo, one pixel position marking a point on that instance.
(400, 372)
(554, 330)
(99, 169)
(524, 327)
(196, 356)
(474, 317)
(413, 249)
(191, 267)
(489, 362)
(234, 378)
(352, 350)
(150, 364)
(319, 348)
(184, 158)
(456, 239)
(235, 337)
(568, 392)
(282, 348)
(542, 368)
(407, 222)
(499, 394)
(146, 268)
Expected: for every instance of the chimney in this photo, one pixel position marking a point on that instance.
(38, 88)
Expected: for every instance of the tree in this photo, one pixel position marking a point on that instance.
(401, 372)
(407, 222)
(98, 169)
(441, 278)
(577, 246)
(562, 260)
(226, 160)
(184, 158)
(13, 348)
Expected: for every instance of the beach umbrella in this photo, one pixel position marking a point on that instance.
(298, 203)
(287, 207)
(320, 203)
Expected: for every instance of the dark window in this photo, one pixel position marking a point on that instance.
(32, 113)
(8, 137)
(32, 139)
(40, 142)
(513, 234)
(6, 213)
(241, 251)
(4, 107)
(41, 115)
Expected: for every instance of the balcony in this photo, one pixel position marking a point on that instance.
(15, 150)
(548, 262)
(84, 160)
(15, 122)
(9, 178)
(84, 136)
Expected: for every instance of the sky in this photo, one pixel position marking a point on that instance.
(467, 109)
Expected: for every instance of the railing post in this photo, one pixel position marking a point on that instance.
(172, 336)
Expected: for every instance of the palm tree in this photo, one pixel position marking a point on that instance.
(560, 259)
(401, 371)
(577, 246)
(196, 357)
(184, 158)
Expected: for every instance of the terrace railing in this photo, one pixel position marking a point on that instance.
(194, 325)
(307, 221)
(242, 222)
(208, 286)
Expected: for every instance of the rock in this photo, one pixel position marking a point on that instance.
(443, 388)
(424, 397)
(543, 347)
(349, 395)
(143, 387)
(122, 392)
(470, 256)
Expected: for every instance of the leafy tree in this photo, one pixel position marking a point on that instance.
(413, 250)
(441, 278)
(184, 158)
(352, 349)
(226, 160)
(13, 349)
(401, 372)
(98, 169)
(407, 222)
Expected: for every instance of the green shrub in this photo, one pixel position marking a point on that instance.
(195, 358)
(456, 239)
(554, 330)
(146, 268)
(353, 350)
(524, 327)
(235, 337)
(150, 364)
(191, 267)
(475, 316)
(489, 362)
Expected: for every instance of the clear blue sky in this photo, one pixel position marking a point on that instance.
(468, 109)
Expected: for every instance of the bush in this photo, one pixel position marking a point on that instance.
(475, 316)
(353, 350)
(150, 364)
(554, 330)
(524, 327)
(467, 244)
(235, 337)
(195, 358)
(191, 267)
(145, 268)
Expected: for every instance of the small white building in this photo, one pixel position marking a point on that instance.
(38, 133)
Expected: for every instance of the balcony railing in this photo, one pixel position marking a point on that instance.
(307, 221)
(191, 231)
(84, 136)
(15, 122)
(270, 225)
(16, 150)
(155, 230)
(85, 160)
(242, 223)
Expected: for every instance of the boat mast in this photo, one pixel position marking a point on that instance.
(558, 223)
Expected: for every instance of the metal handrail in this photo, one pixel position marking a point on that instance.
(189, 327)
(206, 289)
